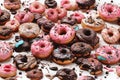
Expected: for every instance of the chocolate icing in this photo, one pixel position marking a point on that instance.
(37, 16)
(5, 31)
(5, 16)
(51, 3)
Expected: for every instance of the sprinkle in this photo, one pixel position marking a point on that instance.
(76, 28)
(19, 43)
(100, 58)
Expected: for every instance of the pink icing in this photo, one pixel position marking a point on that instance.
(61, 12)
(66, 4)
(55, 33)
(37, 7)
(110, 53)
(41, 48)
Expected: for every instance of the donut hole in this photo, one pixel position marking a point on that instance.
(85, 66)
(62, 32)
(22, 16)
(12, 0)
(110, 10)
(66, 2)
(7, 68)
(52, 12)
(36, 6)
(63, 51)
(42, 45)
(24, 59)
(87, 32)
(81, 45)
(34, 72)
(110, 34)
(12, 22)
(29, 27)
(109, 52)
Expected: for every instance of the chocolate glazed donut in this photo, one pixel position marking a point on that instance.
(51, 3)
(66, 74)
(4, 17)
(85, 4)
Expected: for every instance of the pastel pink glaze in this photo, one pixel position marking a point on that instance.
(104, 51)
(5, 51)
(66, 4)
(55, 33)
(109, 10)
(24, 16)
(37, 7)
(7, 70)
(41, 48)
(78, 16)
(118, 70)
(61, 13)
(52, 14)
(13, 24)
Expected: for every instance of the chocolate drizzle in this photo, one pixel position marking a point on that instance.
(51, 3)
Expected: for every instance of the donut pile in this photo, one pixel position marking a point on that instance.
(49, 32)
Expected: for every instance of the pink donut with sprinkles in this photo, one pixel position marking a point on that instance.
(109, 12)
(108, 54)
(5, 51)
(62, 34)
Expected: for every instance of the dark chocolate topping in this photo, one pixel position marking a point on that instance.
(42, 21)
(37, 16)
(5, 31)
(4, 16)
(51, 3)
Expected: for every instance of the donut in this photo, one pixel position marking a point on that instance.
(77, 16)
(109, 12)
(11, 78)
(35, 74)
(62, 56)
(4, 17)
(5, 32)
(94, 23)
(13, 24)
(61, 13)
(86, 4)
(51, 14)
(12, 4)
(68, 20)
(108, 54)
(7, 70)
(29, 30)
(37, 16)
(50, 3)
(41, 48)
(24, 16)
(88, 36)
(86, 78)
(62, 34)
(67, 74)
(81, 49)
(110, 35)
(118, 70)
(37, 7)
(25, 62)
(90, 64)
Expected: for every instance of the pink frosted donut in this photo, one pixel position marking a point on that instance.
(61, 13)
(5, 51)
(108, 54)
(13, 24)
(51, 14)
(62, 33)
(37, 7)
(109, 12)
(24, 16)
(7, 70)
(118, 70)
(110, 35)
(78, 16)
(86, 78)
(41, 48)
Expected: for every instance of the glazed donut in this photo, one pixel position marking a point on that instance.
(62, 56)
(25, 62)
(35, 74)
(6, 51)
(108, 54)
(24, 16)
(86, 78)
(88, 36)
(109, 12)
(5, 32)
(12, 4)
(61, 13)
(51, 3)
(29, 30)
(41, 48)
(77, 16)
(85, 4)
(118, 70)
(68, 20)
(7, 70)
(110, 35)
(62, 34)
(37, 7)
(67, 74)
(13, 24)
(4, 17)
(51, 14)
(91, 64)
(81, 49)
(94, 23)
